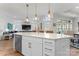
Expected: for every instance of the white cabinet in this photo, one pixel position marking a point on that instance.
(31, 46)
(37, 46)
(26, 46)
(60, 47)
(48, 47)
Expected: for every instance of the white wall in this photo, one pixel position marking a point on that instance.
(3, 24)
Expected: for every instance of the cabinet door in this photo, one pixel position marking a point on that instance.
(31, 46)
(26, 46)
(36, 46)
(62, 47)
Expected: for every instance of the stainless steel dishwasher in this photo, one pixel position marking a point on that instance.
(18, 43)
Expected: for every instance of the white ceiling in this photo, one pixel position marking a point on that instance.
(18, 10)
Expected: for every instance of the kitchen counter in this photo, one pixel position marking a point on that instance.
(44, 35)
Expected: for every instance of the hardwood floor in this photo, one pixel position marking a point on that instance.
(74, 51)
(6, 49)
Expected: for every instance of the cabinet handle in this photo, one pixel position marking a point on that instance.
(46, 55)
(48, 49)
(49, 42)
(29, 45)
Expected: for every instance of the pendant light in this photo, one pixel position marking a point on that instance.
(49, 13)
(27, 18)
(36, 18)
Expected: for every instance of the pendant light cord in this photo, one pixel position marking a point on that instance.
(49, 8)
(35, 10)
(27, 9)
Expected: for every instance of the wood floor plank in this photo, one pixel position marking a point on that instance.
(6, 49)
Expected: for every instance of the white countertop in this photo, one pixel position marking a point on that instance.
(77, 33)
(44, 35)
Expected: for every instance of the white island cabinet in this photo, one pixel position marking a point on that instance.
(48, 44)
(56, 47)
(48, 47)
(31, 46)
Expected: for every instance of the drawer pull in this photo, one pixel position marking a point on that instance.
(29, 45)
(46, 55)
(48, 49)
(49, 42)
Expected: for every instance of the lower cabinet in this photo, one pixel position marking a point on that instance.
(37, 47)
(26, 46)
(31, 46)
(59, 47)
(62, 47)
(48, 47)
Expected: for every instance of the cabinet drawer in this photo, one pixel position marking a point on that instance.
(48, 54)
(48, 50)
(48, 43)
(48, 47)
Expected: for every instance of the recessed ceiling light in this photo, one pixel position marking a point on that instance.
(77, 6)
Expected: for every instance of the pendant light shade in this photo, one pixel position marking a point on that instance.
(27, 19)
(49, 14)
(36, 17)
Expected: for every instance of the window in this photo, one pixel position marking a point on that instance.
(64, 26)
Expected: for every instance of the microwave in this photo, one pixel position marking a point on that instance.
(26, 27)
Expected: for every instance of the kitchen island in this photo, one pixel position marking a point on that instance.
(42, 44)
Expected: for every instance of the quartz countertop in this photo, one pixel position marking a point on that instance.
(76, 33)
(44, 35)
